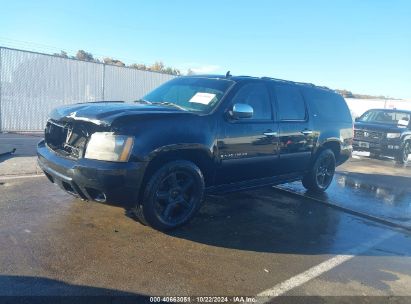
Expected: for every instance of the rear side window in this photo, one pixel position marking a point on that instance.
(291, 105)
(327, 105)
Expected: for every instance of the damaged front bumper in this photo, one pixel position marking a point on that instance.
(95, 180)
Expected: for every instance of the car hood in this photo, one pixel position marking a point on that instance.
(378, 127)
(104, 113)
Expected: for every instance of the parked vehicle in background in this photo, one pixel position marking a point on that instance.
(197, 135)
(384, 132)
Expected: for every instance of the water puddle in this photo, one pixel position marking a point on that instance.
(381, 196)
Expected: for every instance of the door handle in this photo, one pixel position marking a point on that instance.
(270, 133)
(307, 132)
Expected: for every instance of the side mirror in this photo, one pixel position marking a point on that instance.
(357, 119)
(403, 123)
(241, 111)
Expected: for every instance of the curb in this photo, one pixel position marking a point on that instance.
(25, 133)
(9, 177)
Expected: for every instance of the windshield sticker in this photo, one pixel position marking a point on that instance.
(203, 98)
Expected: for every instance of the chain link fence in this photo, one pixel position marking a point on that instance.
(32, 84)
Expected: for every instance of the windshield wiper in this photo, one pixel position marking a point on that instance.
(143, 101)
(167, 103)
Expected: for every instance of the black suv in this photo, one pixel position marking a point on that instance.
(384, 132)
(193, 136)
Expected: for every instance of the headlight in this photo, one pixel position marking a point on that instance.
(109, 147)
(393, 135)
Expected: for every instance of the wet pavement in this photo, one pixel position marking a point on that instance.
(23, 161)
(239, 244)
(382, 190)
(261, 242)
(25, 145)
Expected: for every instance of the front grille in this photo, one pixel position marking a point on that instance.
(372, 136)
(66, 139)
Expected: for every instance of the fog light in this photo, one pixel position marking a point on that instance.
(97, 195)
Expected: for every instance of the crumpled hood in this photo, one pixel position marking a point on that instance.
(378, 127)
(104, 113)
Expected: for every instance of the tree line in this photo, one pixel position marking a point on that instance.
(158, 66)
(349, 94)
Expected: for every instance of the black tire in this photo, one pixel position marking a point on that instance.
(172, 196)
(402, 156)
(374, 155)
(321, 173)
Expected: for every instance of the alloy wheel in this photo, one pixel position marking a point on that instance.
(174, 197)
(325, 172)
(406, 152)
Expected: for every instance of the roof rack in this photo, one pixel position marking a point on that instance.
(277, 79)
(295, 82)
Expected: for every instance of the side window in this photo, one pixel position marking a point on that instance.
(329, 106)
(291, 104)
(255, 95)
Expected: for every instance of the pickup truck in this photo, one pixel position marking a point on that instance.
(384, 132)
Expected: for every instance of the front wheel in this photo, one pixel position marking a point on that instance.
(172, 196)
(402, 156)
(321, 174)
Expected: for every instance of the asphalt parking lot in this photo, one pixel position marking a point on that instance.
(354, 241)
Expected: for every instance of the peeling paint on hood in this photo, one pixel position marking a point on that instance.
(74, 116)
(104, 113)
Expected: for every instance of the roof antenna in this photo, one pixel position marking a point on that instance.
(228, 75)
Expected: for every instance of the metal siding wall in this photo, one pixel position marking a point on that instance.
(1, 82)
(130, 84)
(33, 84)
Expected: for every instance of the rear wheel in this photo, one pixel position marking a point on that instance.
(172, 196)
(402, 156)
(321, 174)
(374, 155)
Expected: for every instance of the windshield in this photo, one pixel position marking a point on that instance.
(385, 117)
(190, 93)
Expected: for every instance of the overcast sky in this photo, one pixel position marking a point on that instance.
(363, 46)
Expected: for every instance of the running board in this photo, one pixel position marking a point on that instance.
(253, 184)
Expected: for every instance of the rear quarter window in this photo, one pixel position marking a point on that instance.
(328, 106)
